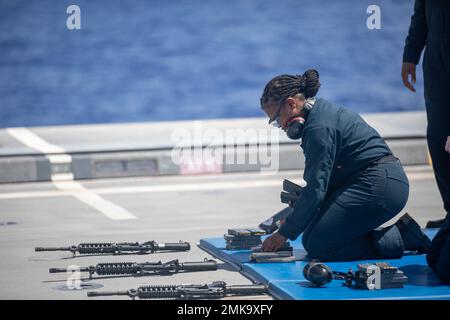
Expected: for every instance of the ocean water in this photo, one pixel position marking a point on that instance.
(155, 60)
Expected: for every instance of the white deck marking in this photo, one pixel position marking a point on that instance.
(64, 181)
(33, 141)
(203, 186)
(193, 187)
(148, 189)
(92, 199)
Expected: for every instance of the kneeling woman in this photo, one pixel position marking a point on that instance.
(354, 183)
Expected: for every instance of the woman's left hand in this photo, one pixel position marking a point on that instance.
(273, 243)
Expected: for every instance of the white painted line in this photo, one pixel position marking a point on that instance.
(184, 229)
(108, 208)
(148, 189)
(203, 186)
(33, 194)
(221, 185)
(64, 181)
(193, 187)
(59, 158)
(33, 141)
(54, 153)
(62, 176)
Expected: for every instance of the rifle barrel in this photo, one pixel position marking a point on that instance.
(37, 249)
(57, 270)
(107, 293)
(60, 270)
(178, 246)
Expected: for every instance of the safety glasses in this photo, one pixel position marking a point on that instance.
(275, 121)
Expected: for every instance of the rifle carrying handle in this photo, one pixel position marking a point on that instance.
(179, 246)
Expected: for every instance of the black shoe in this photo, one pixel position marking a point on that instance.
(435, 223)
(413, 238)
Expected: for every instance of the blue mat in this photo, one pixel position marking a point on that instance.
(286, 280)
(237, 258)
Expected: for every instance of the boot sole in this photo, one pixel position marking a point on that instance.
(407, 220)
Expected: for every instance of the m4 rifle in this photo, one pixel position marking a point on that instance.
(120, 247)
(214, 290)
(142, 269)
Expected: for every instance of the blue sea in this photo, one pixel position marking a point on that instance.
(156, 60)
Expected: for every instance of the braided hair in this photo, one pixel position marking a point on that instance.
(284, 86)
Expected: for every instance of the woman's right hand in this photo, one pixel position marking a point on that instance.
(409, 69)
(273, 243)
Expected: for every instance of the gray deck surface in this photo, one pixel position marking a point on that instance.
(47, 217)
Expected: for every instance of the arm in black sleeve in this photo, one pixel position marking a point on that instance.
(417, 34)
(320, 153)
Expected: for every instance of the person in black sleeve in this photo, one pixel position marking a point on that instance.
(438, 256)
(354, 183)
(430, 28)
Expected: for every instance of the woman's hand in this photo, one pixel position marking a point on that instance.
(409, 70)
(273, 243)
(447, 145)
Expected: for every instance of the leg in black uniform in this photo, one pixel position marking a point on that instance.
(436, 70)
(344, 228)
(438, 257)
